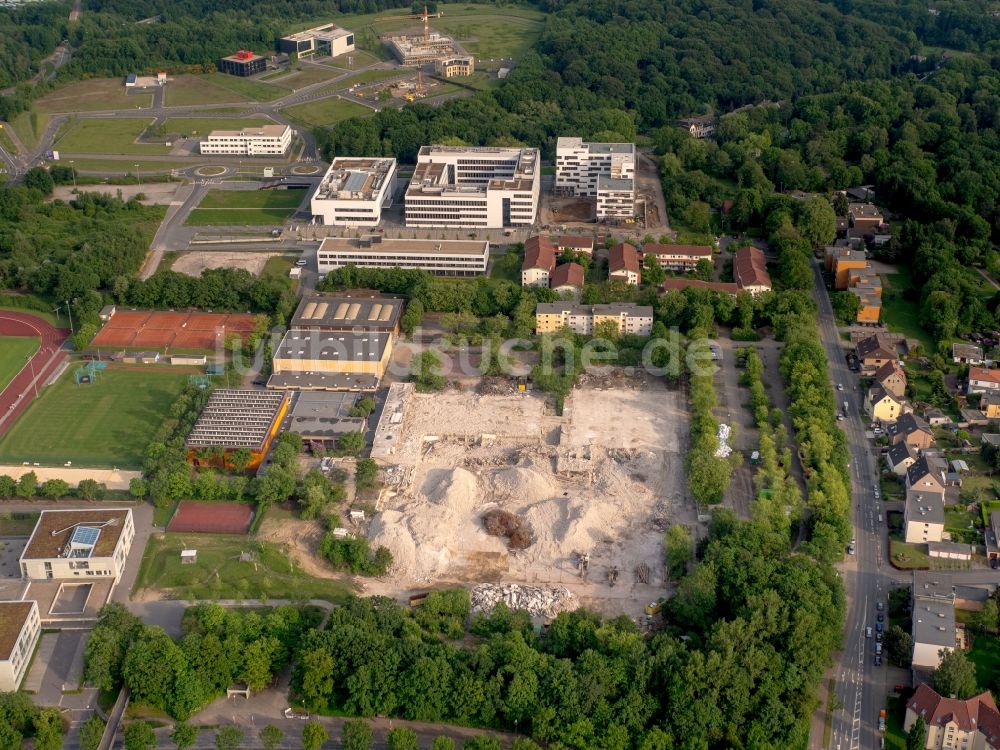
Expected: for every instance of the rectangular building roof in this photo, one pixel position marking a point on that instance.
(934, 622)
(376, 244)
(606, 182)
(327, 31)
(54, 532)
(347, 311)
(323, 381)
(323, 414)
(333, 346)
(360, 179)
(13, 616)
(236, 418)
(557, 308)
(261, 131)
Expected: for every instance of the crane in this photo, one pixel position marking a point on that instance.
(425, 17)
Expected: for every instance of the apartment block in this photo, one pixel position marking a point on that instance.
(440, 257)
(605, 171)
(459, 65)
(630, 319)
(677, 258)
(473, 188)
(954, 724)
(354, 191)
(266, 140)
(20, 627)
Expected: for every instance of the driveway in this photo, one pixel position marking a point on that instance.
(733, 409)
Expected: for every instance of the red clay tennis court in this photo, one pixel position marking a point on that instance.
(212, 518)
(145, 329)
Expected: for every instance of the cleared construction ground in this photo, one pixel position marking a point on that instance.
(603, 480)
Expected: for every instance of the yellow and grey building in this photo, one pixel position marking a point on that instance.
(550, 317)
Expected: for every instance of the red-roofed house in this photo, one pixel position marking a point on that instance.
(677, 257)
(539, 261)
(624, 265)
(982, 379)
(678, 282)
(973, 724)
(567, 277)
(750, 270)
(574, 244)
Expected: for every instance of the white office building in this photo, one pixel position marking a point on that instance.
(78, 543)
(440, 257)
(20, 628)
(266, 140)
(354, 191)
(605, 171)
(473, 188)
(329, 39)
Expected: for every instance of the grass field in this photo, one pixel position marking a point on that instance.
(107, 423)
(14, 354)
(369, 76)
(17, 524)
(277, 268)
(357, 59)
(484, 30)
(115, 136)
(146, 167)
(29, 127)
(222, 217)
(93, 95)
(325, 112)
(219, 574)
(297, 79)
(985, 654)
(6, 142)
(252, 199)
(901, 315)
(245, 88)
(185, 91)
(202, 125)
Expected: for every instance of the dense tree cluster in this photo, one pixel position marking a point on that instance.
(708, 474)
(751, 613)
(219, 647)
(20, 718)
(28, 486)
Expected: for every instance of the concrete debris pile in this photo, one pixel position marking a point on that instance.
(538, 602)
(724, 450)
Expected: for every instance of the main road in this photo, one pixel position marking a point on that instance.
(860, 685)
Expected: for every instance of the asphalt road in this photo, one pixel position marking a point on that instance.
(860, 685)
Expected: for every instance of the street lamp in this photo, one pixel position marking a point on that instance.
(139, 176)
(72, 169)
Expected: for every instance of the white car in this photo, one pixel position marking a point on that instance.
(840, 386)
(301, 262)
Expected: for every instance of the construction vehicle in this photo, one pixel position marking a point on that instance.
(410, 97)
(425, 17)
(654, 608)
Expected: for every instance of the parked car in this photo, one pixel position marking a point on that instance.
(881, 617)
(868, 632)
(880, 606)
(878, 627)
(878, 660)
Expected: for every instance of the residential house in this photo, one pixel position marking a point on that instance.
(567, 277)
(923, 515)
(864, 216)
(892, 377)
(845, 260)
(966, 354)
(933, 617)
(574, 244)
(677, 258)
(883, 406)
(927, 475)
(989, 404)
(913, 431)
(982, 380)
(936, 418)
(860, 194)
(992, 534)
(539, 261)
(991, 439)
(900, 457)
(750, 270)
(866, 285)
(624, 264)
(20, 628)
(702, 126)
(874, 351)
(954, 724)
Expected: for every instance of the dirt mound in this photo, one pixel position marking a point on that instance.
(455, 489)
(523, 484)
(514, 528)
(388, 529)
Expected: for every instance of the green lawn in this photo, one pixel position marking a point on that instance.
(368, 76)
(277, 268)
(108, 423)
(895, 737)
(325, 112)
(17, 524)
(202, 126)
(221, 217)
(901, 315)
(185, 91)
(985, 654)
(5, 140)
(108, 137)
(353, 60)
(218, 574)
(245, 88)
(307, 76)
(29, 127)
(92, 95)
(907, 556)
(14, 354)
(252, 199)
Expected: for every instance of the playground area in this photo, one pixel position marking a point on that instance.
(161, 331)
(211, 518)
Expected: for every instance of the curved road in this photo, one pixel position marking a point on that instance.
(24, 386)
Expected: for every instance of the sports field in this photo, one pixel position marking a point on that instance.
(14, 354)
(108, 137)
(107, 423)
(325, 112)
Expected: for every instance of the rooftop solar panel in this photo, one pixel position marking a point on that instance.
(85, 536)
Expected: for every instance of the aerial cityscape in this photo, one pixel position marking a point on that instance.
(564, 374)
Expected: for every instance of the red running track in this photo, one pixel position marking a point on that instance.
(21, 390)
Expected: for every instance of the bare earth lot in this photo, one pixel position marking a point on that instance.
(194, 263)
(161, 193)
(583, 484)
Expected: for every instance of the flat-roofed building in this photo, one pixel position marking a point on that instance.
(354, 191)
(605, 171)
(630, 319)
(243, 63)
(457, 65)
(440, 257)
(417, 48)
(20, 626)
(348, 312)
(473, 188)
(354, 359)
(78, 544)
(328, 39)
(323, 417)
(264, 140)
(933, 617)
(236, 419)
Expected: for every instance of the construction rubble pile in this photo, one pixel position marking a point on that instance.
(538, 602)
(724, 450)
